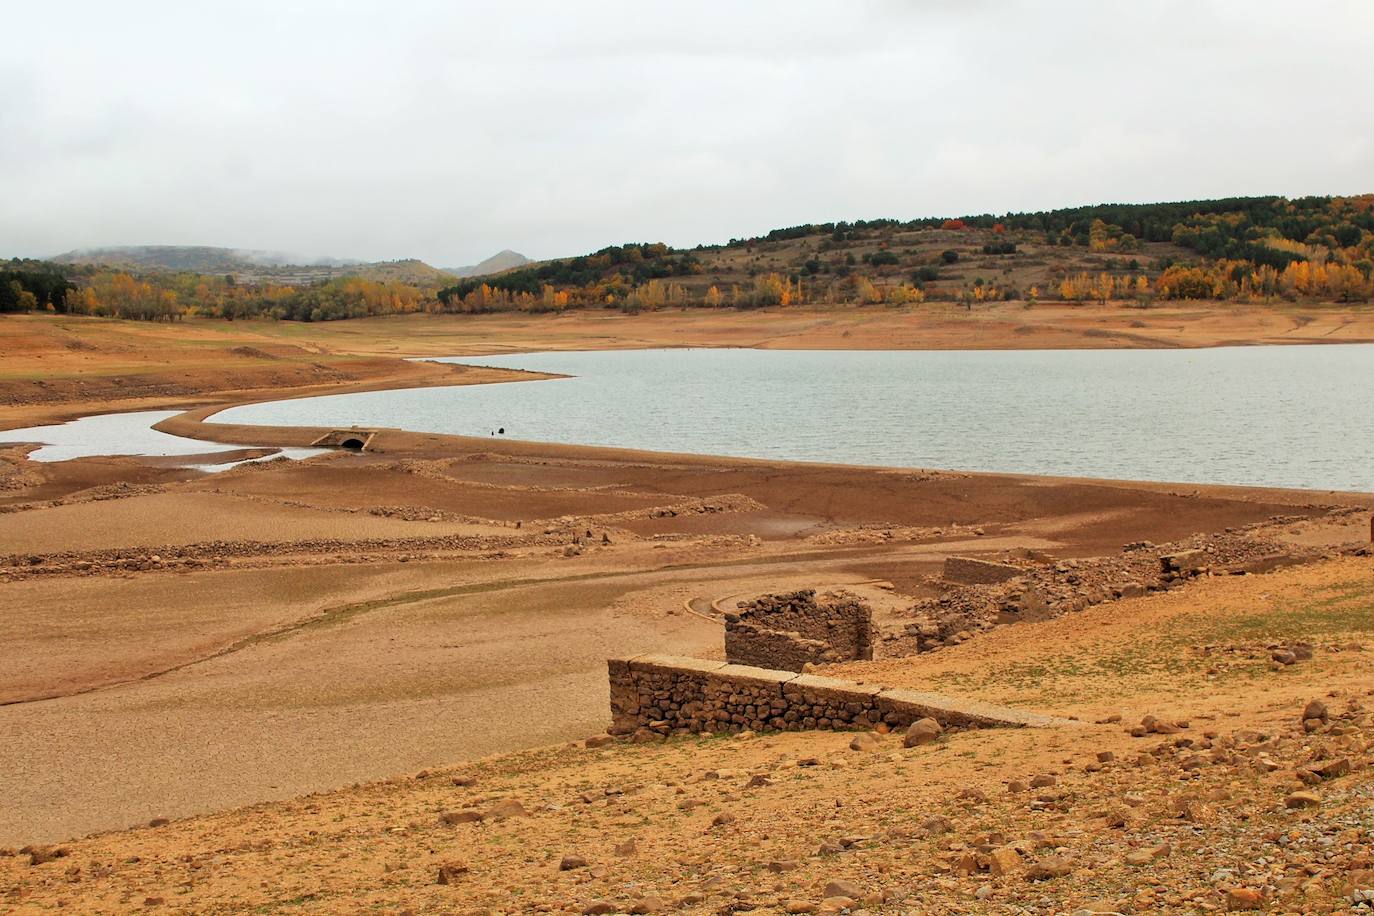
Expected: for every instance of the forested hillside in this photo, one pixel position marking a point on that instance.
(1254, 249)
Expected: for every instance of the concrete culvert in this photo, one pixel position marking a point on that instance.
(355, 440)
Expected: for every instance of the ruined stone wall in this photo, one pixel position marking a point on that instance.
(1043, 592)
(972, 571)
(667, 695)
(787, 631)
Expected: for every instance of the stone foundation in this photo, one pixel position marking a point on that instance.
(666, 695)
(971, 571)
(786, 632)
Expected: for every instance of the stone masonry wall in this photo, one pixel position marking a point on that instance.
(668, 695)
(972, 571)
(787, 631)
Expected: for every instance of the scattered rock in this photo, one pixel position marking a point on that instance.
(450, 872)
(42, 855)
(864, 741)
(508, 808)
(935, 826)
(1049, 867)
(1003, 861)
(1147, 855)
(843, 889)
(922, 731)
(1243, 898)
(465, 816)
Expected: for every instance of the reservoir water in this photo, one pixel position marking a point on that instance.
(129, 434)
(1289, 416)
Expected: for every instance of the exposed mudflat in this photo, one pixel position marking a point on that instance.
(175, 644)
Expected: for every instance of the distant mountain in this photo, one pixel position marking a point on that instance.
(248, 265)
(195, 258)
(502, 260)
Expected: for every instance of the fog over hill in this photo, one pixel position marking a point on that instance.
(197, 258)
(250, 263)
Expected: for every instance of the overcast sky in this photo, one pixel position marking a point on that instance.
(448, 130)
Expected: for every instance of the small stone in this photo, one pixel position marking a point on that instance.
(596, 741)
(1303, 800)
(720, 820)
(1105, 756)
(159, 822)
(935, 826)
(1003, 861)
(568, 863)
(648, 905)
(599, 908)
(922, 731)
(800, 906)
(1147, 855)
(1043, 781)
(627, 848)
(1331, 769)
(466, 816)
(864, 741)
(1315, 709)
(1243, 898)
(42, 855)
(1049, 867)
(450, 872)
(843, 889)
(508, 808)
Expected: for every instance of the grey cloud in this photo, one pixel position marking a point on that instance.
(449, 130)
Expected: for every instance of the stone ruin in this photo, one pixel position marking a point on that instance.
(972, 571)
(788, 631)
(656, 696)
(1041, 591)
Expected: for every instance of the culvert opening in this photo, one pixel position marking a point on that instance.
(354, 440)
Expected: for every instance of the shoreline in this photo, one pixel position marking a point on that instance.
(193, 422)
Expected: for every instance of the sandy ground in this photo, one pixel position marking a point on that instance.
(770, 824)
(174, 644)
(196, 641)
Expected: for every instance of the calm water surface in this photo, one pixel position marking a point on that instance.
(1298, 416)
(128, 434)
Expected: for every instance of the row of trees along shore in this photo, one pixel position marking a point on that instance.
(1239, 249)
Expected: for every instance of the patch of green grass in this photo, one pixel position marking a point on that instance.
(1167, 656)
